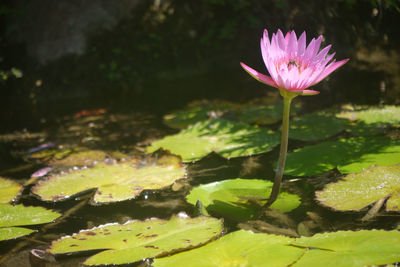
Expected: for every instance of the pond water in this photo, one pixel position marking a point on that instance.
(123, 122)
(125, 135)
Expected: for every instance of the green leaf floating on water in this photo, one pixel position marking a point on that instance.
(240, 248)
(347, 249)
(18, 215)
(371, 120)
(240, 199)
(182, 119)
(115, 182)
(137, 240)
(356, 191)
(8, 190)
(227, 138)
(244, 248)
(382, 114)
(316, 126)
(198, 111)
(258, 113)
(78, 156)
(263, 114)
(7, 233)
(348, 155)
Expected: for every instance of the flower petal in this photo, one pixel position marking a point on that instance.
(281, 40)
(292, 65)
(330, 68)
(327, 59)
(269, 63)
(301, 46)
(309, 51)
(317, 45)
(265, 39)
(291, 48)
(322, 54)
(259, 76)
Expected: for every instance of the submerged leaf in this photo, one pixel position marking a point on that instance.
(240, 248)
(19, 215)
(346, 248)
(8, 190)
(348, 155)
(240, 199)
(356, 191)
(113, 182)
(227, 138)
(138, 240)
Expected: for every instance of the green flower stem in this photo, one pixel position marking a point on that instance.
(287, 99)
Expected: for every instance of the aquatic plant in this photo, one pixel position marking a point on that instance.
(293, 68)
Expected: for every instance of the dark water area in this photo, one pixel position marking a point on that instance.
(161, 58)
(158, 60)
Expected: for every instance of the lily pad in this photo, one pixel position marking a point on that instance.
(182, 119)
(316, 126)
(263, 114)
(240, 248)
(18, 215)
(346, 248)
(228, 138)
(255, 112)
(356, 191)
(240, 199)
(348, 155)
(7, 233)
(384, 114)
(69, 157)
(343, 248)
(198, 111)
(8, 190)
(115, 182)
(371, 120)
(138, 240)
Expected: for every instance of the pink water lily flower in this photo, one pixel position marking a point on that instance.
(293, 66)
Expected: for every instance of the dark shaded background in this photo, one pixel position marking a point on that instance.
(156, 56)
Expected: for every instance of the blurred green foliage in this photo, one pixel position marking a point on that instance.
(13, 72)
